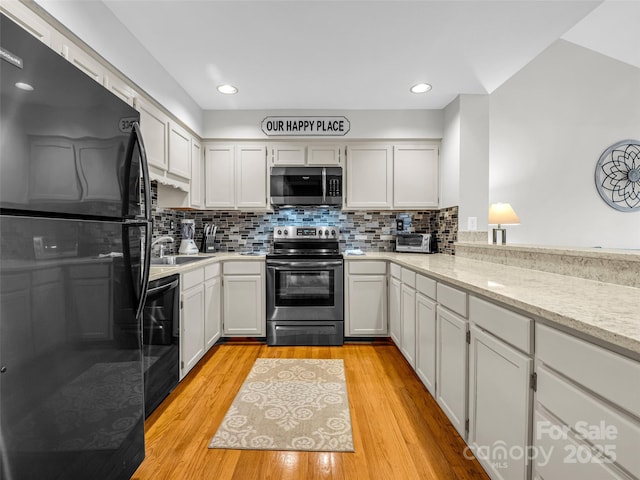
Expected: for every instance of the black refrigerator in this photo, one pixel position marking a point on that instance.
(75, 235)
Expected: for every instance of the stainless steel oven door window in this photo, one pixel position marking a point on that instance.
(295, 286)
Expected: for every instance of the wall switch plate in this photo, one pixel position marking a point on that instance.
(472, 223)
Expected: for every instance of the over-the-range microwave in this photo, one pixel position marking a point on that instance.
(306, 186)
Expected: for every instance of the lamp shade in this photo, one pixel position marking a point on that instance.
(502, 214)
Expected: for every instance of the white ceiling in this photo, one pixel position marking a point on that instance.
(314, 54)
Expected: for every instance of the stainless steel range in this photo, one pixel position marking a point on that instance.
(305, 287)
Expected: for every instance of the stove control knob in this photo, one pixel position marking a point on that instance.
(326, 232)
(333, 233)
(279, 232)
(286, 232)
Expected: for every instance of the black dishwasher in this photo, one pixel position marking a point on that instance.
(161, 340)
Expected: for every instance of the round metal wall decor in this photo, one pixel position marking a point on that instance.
(618, 176)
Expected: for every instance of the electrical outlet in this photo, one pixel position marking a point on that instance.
(472, 223)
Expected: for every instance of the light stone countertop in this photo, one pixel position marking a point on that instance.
(160, 271)
(604, 311)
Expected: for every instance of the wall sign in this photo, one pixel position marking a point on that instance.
(305, 126)
(618, 176)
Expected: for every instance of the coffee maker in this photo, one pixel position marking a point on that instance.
(188, 245)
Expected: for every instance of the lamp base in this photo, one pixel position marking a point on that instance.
(503, 235)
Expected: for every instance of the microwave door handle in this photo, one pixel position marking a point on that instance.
(324, 185)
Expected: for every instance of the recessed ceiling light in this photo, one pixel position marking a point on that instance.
(24, 86)
(420, 88)
(227, 89)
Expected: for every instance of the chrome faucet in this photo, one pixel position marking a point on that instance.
(161, 247)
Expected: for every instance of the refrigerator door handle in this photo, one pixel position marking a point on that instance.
(136, 137)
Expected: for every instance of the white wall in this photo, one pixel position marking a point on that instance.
(365, 124)
(96, 25)
(464, 159)
(549, 125)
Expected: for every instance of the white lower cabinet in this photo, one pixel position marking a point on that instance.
(191, 319)
(395, 298)
(426, 341)
(212, 305)
(451, 367)
(499, 405)
(244, 299)
(408, 317)
(587, 412)
(366, 298)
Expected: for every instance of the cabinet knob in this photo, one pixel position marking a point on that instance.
(3, 369)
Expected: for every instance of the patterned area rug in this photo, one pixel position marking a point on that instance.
(289, 404)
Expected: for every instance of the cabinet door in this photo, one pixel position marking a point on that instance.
(366, 305)
(243, 304)
(154, 126)
(408, 324)
(369, 176)
(85, 62)
(192, 322)
(288, 154)
(219, 171)
(179, 151)
(500, 403)
(27, 19)
(251, 177)
(195, 187)
(329, 155)
(426, 341)
(451, 367)
(395, 295)
(119, 88)
(415, 176)
(212, 312)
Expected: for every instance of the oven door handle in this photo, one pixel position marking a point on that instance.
(277, 264)
(162, 288)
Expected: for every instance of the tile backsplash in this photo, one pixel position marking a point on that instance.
(240, 231)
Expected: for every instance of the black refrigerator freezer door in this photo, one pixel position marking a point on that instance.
(64, 139)
(71, 387)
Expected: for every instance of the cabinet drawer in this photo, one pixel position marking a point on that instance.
(242, 268)
(426, 286)
(396, 270)
(452, 298)
(367, 268)
(192, 278)
(505, 324)
(89, 271)
(584, 413)
(608, 374)
(211, 271)
(562, 456)
(47, 275)
(409, 277)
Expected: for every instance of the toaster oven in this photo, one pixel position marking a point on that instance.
(416, 242)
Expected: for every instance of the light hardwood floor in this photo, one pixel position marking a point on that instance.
(399, 431)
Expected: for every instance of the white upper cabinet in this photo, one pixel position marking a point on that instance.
(179, 151)
(324, 154)
(154, 126)
(219, 171)
(197, 182)
(288, 154)
(415, 176)
(369, 176)
(236, 176)
(299, 154)
(82, 60)
(251, 176)
(31, 22)
(119, 88)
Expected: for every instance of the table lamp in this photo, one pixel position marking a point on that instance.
(502, 214)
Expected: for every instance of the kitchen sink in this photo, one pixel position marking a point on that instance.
(175, 260)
